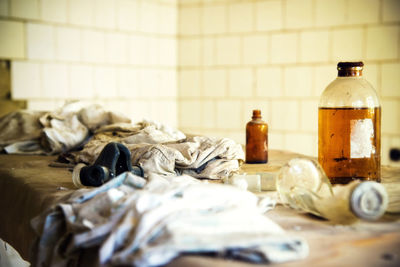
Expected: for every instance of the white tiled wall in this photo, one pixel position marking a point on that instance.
(120, 53)
(27, 9)
(279, 55)
(13, 45)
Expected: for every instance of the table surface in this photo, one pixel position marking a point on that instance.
(28, 186)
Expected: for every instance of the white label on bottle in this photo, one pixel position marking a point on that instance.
(361, 135)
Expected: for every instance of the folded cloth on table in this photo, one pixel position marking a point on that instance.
(33, 132)
(127, 222)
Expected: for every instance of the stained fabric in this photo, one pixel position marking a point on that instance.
(198, 156)
(34, 132)
(123, 223)
(154, 146)
(10, 257)
(21, 131)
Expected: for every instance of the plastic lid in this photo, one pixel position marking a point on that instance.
(350, 69)
(350, 65)
(369, 200)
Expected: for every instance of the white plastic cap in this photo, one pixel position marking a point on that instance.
(369, 200)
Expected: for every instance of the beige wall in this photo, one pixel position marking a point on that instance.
(119, 53)
(279, 55)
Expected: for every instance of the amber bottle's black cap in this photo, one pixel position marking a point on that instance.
(346, 69)
(347, 65)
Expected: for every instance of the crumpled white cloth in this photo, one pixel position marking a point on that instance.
(146, 131)
(10, 257)
(123, 224)
(21, 129)
(198, 156)
(162, 150)
(33, 132)
(156, 147)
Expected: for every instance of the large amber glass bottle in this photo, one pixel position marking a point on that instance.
(256, 139)
(349, 127)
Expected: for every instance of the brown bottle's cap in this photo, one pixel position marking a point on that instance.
(350, 68)
(256, 113)
(347, 65)
(369, 200)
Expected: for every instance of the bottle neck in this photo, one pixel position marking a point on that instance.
(256, 114)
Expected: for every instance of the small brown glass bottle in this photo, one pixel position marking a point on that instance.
(256, 139)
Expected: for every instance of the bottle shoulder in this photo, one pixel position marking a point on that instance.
(257, 122)
(349, 92)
